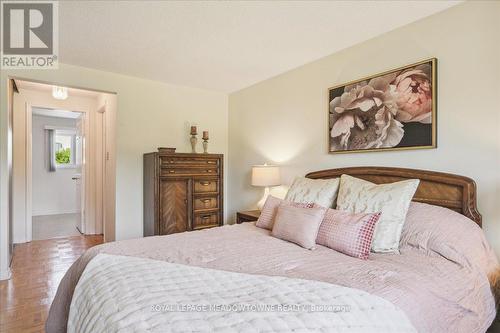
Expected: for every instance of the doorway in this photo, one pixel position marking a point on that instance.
(56, 162)
(64, 168)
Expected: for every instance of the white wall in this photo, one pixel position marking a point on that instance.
(150, 115)
(52, 192)
(284, 119)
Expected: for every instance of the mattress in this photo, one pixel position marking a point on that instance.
(436, 295)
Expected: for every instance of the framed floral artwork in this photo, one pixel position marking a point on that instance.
(392, 110)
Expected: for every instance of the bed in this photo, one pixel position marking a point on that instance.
(132, 285)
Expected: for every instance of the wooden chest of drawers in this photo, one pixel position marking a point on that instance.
(182, 192)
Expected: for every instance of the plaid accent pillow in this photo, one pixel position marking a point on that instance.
(348, 233)
(266, 218)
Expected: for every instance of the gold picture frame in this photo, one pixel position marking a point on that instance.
(376, 112)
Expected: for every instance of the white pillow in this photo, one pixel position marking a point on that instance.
(322, 192)
(392, 200)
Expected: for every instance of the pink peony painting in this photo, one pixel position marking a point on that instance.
(392, 110)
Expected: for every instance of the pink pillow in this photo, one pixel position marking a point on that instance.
(266, 218)
(347, 232)
(298, 225)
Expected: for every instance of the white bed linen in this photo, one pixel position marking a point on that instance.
(129, 294)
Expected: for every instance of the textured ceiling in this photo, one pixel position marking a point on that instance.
(221, 45)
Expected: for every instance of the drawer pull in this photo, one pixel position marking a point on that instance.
(209, 171)
(210, 162)
(171, 171)
(206, 200)
(205, 183)
(206, 217)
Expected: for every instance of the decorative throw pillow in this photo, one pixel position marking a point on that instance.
(348, 233)
(298, 225)
(266, 218)
(322, 192)
(392, 200)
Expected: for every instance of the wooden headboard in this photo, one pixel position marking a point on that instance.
(436, 188)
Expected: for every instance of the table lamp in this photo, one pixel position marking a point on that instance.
(265, 176)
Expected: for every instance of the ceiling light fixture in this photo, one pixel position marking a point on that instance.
(59, 92)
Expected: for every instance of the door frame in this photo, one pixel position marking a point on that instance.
(101, 162)
(29, 166)
(109, 99)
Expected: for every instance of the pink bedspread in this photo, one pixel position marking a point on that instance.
(436, 294)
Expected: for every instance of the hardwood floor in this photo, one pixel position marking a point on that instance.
(37, 269)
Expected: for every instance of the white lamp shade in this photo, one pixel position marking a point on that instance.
(266, 175)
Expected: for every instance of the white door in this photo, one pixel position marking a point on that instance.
(79, 176)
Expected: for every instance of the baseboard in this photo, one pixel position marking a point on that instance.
(5, 274)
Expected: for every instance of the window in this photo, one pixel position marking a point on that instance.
(64, 148)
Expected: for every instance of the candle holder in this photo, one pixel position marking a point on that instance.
(194, 139)
(205, 142)
(205, 146)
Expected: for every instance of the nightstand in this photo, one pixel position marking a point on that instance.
(247, 216)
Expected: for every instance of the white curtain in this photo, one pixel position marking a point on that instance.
(52, 155)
